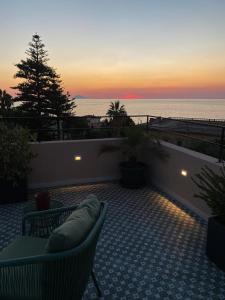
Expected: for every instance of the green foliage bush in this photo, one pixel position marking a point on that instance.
(15, 153)
(212, 186)
(137, 141)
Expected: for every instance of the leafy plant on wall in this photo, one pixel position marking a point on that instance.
(212, 190)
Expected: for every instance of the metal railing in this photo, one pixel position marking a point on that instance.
(203, 135)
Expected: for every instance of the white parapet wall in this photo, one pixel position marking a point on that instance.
(170, 177)
(61, 163)
(56, 165)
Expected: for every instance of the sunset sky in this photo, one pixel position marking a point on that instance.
(121, 48)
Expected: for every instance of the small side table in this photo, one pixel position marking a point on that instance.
(41, 224)
(31, 206)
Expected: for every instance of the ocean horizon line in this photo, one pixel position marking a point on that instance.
(116, 99)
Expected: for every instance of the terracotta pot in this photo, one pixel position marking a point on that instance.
(42, 201)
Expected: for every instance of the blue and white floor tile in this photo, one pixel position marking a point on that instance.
(150, 247)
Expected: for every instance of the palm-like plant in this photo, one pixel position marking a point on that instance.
(6, 102)
(212, 187)
(116, 109)
(136, 141)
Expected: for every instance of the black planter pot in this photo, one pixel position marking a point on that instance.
(216, 242)
(11, 194)
(133, 175)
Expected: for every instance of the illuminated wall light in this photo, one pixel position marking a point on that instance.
(183, 173)
(77, 157)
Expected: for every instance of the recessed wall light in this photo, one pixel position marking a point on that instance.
(77, 157)
(183, 173)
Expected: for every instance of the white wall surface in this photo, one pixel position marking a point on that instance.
(167, 175)
(55, 165)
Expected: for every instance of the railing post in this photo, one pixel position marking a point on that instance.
(221, 145)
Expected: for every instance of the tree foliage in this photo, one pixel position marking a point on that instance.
(118, 116)
(115, 109)
(6, 102)
(59, 103)
(15, 153)
(39, 91)
(212, 189)
(136, 142)
(35, 75)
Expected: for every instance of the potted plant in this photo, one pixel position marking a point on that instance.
(136, 141)
(212, 187)
(15, 157)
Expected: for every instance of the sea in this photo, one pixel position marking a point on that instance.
(187, 108)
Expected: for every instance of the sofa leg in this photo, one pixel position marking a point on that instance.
(96, 284)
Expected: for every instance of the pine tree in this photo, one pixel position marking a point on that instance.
(40, 92)
(36, 73)
(59, 103)
(6, 102)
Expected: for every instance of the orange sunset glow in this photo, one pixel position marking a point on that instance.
(124, 53)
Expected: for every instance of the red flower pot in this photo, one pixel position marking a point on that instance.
(42, 201)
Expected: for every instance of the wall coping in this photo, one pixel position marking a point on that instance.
(76, 141)
(198, 155)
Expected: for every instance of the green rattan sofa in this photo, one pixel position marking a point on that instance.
(33, 274)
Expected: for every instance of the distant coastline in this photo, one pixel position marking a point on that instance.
(78, 97)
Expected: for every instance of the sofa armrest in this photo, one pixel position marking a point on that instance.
(42, 223)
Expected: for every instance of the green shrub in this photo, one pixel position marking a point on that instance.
(15, 153)
(212, 186)
(137, 141)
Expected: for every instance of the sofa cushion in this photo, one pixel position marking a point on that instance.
(72, 232)
(93, 206)
(24, 246)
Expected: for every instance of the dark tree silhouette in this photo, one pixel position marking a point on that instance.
(40, 93)
(59, 104)
(36, 74)
(6, 102)
(116, 109)
(118, 117)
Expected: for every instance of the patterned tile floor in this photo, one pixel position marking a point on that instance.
(150, 246)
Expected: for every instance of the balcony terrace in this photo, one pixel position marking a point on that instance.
(154, 239)
(151, 246)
